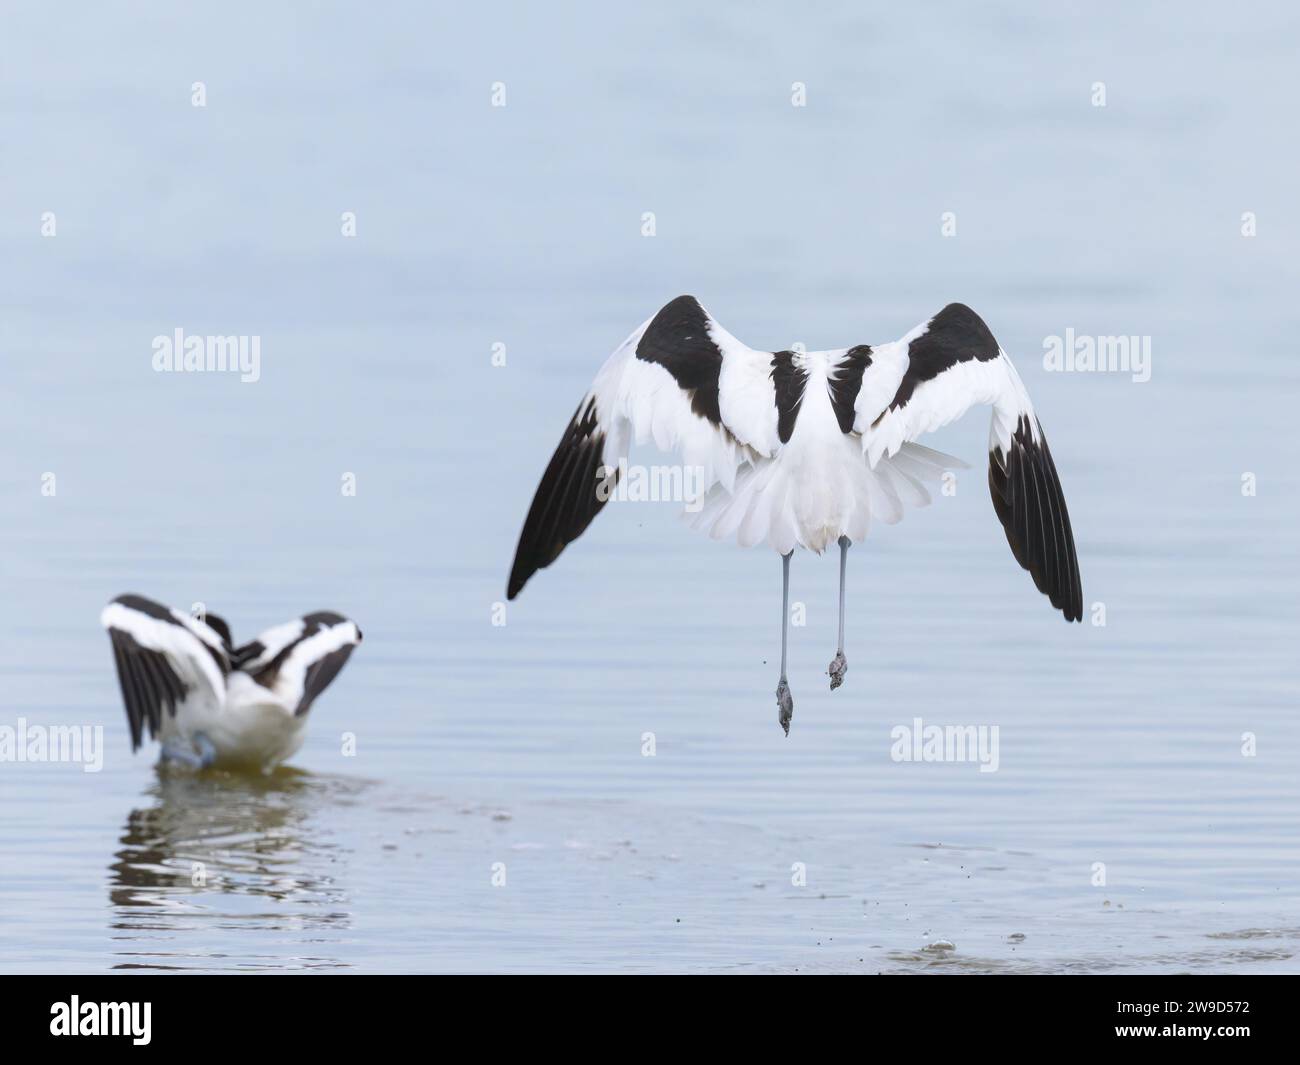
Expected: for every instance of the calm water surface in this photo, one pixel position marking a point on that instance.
(516, 750)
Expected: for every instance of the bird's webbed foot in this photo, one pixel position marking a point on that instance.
(785, 704)
(838, 667)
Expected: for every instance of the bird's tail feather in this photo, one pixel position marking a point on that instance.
(770, 503)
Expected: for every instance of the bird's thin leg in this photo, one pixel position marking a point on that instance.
(840, 664)
(206, 749)
(178, 751)
(199, 753)
(784, 703)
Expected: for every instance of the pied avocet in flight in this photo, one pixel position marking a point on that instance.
(806, 449)
(211, 703)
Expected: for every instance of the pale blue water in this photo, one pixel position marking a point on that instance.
(479, 744)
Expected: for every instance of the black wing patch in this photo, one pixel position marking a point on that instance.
(846, 383)
(677, 338)
(1027, 496)
(158, 612)
(148, 684)
(319, 675)
(248, 653)
(567, 500)
(956, 334)
(788, 383)
(218, 625)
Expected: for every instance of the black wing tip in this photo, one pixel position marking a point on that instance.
(149, 685)
(523, 566)
(567, 499)
(1071, 609)
(1027, 497)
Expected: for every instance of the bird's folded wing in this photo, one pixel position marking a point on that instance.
(931, 377)
(296, 661)
(161, 656)
(680, 381)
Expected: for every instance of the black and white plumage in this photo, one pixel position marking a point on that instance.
(807, 449)
(210, 703)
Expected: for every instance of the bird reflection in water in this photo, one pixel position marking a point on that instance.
(219, 867)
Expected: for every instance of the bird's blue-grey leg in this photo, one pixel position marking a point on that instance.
(784, 703)
(840, 664)
(206, 750)
(198, 756)
(177, 751)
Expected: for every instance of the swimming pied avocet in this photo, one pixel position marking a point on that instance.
(211, 703)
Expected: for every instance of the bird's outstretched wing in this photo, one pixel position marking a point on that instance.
(681, 381)
(298, 660)
(162, 655)
(932, 376)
